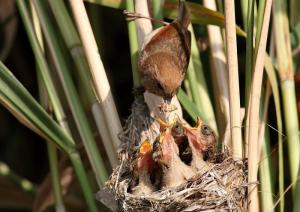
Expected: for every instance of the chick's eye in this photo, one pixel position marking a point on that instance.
(156, 145)
(206, 130)
(178, 130)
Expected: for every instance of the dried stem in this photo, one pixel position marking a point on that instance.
(144, 26)
(234, 90)
(219, 69)
(254, 110)
(102, 87)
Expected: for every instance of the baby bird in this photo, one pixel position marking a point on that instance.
(201, 140)
(145, 166)
(166, 153)
(165, 55)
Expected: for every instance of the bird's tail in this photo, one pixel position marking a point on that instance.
(183, 17)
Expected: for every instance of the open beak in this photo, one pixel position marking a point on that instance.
(145, 147)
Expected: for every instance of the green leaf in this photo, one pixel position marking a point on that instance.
(199, 13)
(276, 95)
(25, 108)
(190, 106)
(117, 4)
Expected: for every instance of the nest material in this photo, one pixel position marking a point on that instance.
(222, 188)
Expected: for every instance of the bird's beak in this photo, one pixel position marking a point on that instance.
(167, 100)
(197, 125)
(161, 138)
(145, 147)
(164, 125)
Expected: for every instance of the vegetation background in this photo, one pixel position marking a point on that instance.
(25, 153)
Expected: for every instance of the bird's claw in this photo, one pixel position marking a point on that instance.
(131, 16)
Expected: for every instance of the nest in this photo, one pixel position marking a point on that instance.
(221, 188)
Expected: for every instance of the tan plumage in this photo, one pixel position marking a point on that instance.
(165, 56)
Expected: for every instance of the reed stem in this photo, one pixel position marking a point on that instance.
(234, 90)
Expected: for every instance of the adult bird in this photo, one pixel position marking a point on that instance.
(165, 55)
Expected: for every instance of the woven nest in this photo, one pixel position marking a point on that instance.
(223, 187)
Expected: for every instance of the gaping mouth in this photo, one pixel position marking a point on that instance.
(185, 151)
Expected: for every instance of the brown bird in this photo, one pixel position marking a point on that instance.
(166, 153)
(145, 166)
(165, 55)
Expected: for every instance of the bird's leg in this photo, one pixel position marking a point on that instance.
(131, 16)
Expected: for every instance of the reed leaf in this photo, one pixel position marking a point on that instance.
(198, 85)
(190, 106)
(71, 93)
(253, 115)
(276, 95)
(74, 45)
(24, 107)
(19, 101)
(134, 46)
(286, 76)
(199, 14)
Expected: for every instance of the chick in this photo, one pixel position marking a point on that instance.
(166, 153)
(185, 151)
(202, 140)
(145, 166)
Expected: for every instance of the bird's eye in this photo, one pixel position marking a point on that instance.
(156, 145)
(159, 86)
(206, 130)
(177, 129)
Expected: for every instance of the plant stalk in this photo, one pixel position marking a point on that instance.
(71, 94)
(201, 96)
(234, 90)
(73, 42)
(218, 59)
(83, 181)
(134, 46)
(100, 80)
(286, 76)
(255, 96)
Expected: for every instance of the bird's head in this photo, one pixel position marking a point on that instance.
(164, 147)
(145, 161)
(201, 136)
(162, 75)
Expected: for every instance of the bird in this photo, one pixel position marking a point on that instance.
(165, 55)
(166, 153)
(145, 165)
(202, 141)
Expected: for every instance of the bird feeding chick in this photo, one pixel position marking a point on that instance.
(177, 154)
(165, 55)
